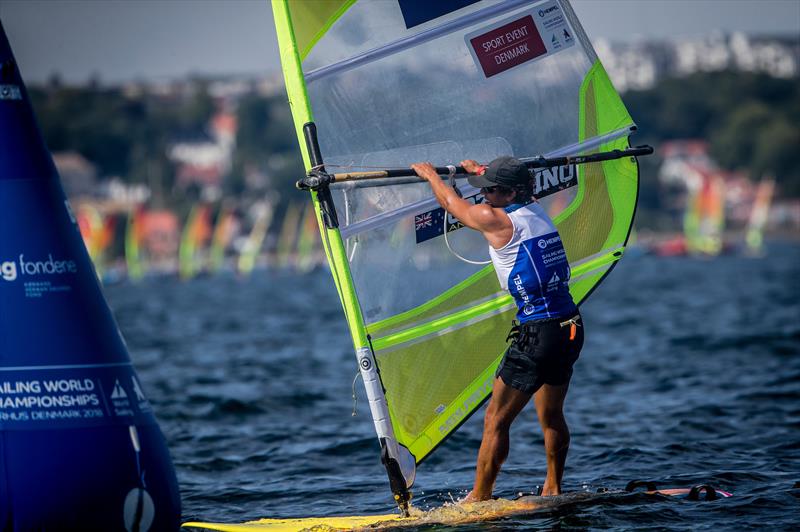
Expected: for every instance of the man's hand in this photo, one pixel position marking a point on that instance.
(472, 167)
(425, 170)
(496, 227)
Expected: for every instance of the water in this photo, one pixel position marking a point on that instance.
(690, 373)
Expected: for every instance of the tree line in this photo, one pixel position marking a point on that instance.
(129, 136)
(750, 120)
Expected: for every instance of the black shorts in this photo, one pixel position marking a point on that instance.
(541, 352)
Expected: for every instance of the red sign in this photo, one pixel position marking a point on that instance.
(508, 46)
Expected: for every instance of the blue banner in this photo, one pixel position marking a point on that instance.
(416, 12)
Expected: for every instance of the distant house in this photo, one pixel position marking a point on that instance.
(78, 174)
(200, 161)
(206, 160)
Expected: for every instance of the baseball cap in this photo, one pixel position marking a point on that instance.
(504, 171)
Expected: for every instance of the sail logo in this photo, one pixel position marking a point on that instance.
(550, 180)
(506, 46)
(10, 270)
(543, 12)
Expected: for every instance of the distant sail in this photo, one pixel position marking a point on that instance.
(759, 216)
(94, 233)
(286, 252)
(308, 243)
(255, 240)
(387, 84)
(134, 236)
(196, 234)
(704, 220)
(224, 233)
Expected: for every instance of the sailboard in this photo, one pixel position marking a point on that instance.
(464, 513)
(378, 85)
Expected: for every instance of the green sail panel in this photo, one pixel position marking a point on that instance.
(386, 95)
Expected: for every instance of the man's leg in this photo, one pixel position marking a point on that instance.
(549, 402)
(505, 404)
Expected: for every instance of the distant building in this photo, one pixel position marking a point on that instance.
(641, 64)
(206, 161)
(124, 194)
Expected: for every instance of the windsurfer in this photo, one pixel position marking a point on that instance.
(531, 263)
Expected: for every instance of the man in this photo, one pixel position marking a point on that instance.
(531, 264)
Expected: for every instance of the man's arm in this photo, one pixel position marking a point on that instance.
(480, 217)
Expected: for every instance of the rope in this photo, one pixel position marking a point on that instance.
(452, 171)
(355, 399)
(447, 242)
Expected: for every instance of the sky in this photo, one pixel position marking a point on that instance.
(123, 40)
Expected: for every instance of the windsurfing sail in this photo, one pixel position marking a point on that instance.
(224, 233)
(196, 233)
(286, 251)
(704, 220)
(386, 84)
(308, 242)
(262, 213)
(759, 215)
(90, 223)
(134, 236)
(97, 231)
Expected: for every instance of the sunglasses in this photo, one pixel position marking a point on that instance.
(489, 190)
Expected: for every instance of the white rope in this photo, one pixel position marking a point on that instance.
(355, 400)
(447, 243)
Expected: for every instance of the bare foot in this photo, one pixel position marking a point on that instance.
(548, 491)
(471, 498)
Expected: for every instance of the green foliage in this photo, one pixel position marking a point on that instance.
(126, 136)
(751, 120)
(101, 125)
(195, 114)
(266, 141)
(776, 153)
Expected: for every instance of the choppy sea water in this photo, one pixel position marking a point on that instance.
(690, 374)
